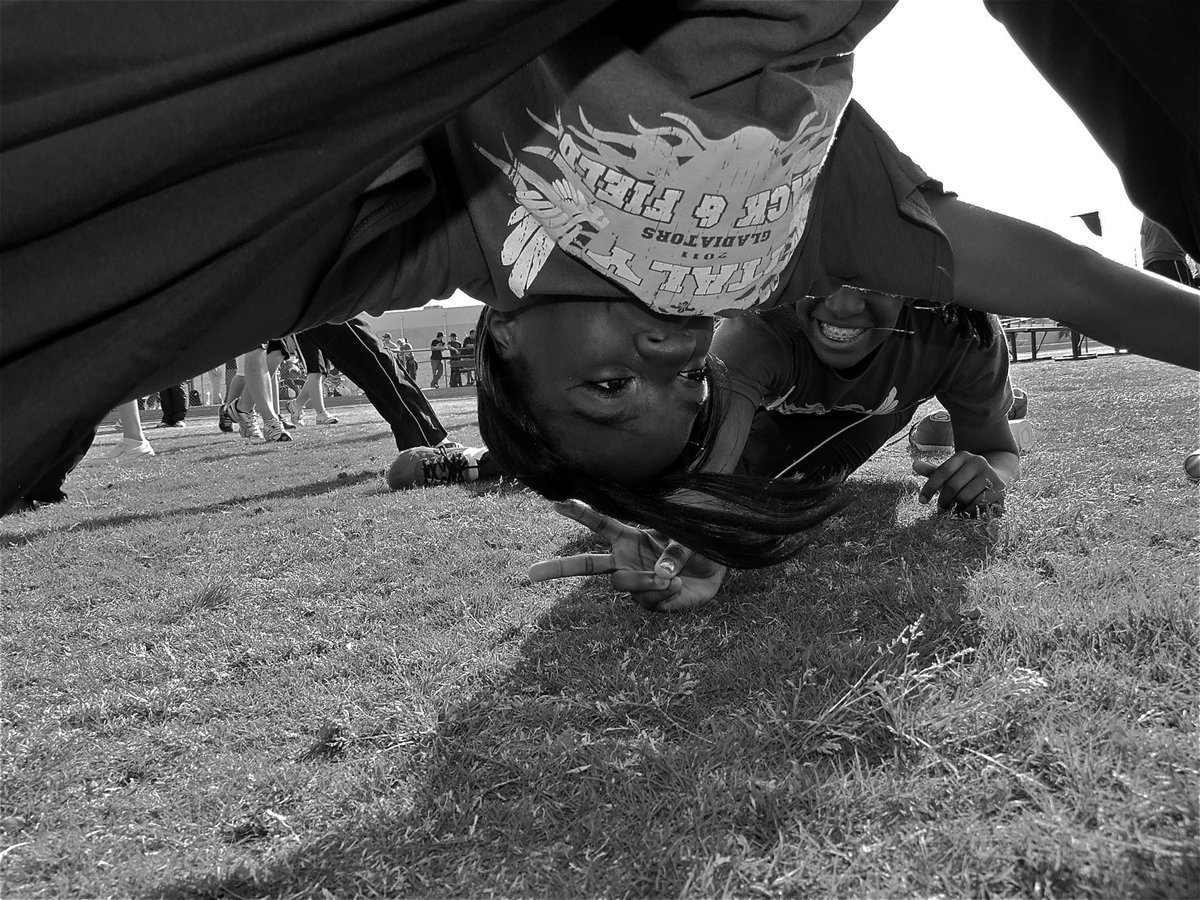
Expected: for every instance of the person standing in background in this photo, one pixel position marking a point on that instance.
(407, 361)
(455, 350)
(391, 346)
(468, 357)
(174, 403)
(1162, 255)
(436, 346)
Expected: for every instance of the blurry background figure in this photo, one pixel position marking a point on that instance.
(391, 346)
(408, 361)
(174, 403)
(313, 392)
(1162, 255)
(133, 445)
(454, 348)
(467, 357)
(258, 416)
(436, 346)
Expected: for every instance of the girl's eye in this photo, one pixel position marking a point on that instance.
(611, 387)
(696, 374)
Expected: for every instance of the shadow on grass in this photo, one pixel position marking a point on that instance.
(620, 730)
(258, 448)
(310, 490)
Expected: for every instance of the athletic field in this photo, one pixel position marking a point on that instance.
(242, 670)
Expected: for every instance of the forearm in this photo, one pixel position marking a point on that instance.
(1006, 463)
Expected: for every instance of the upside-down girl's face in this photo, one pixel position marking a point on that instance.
(616, 387)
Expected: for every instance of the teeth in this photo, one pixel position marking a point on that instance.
(836, 333)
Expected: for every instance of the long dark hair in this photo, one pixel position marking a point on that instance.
(738, 520)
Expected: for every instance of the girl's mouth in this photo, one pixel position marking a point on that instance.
(839, 334)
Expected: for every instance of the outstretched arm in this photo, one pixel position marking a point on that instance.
(1010, 267)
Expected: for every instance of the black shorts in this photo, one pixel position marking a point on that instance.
(314, 360)
(277, 345)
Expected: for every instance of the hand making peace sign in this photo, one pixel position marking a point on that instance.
(659, 573)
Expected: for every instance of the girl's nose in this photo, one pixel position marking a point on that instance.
(845, 303)
(667, 346)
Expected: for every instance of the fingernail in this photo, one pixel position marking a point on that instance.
(667, 566)
(660, 582)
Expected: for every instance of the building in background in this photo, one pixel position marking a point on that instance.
(418, 326)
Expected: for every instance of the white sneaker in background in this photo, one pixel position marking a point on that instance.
(295, 413)
(273, 432)
(129, 450)
(247, 423)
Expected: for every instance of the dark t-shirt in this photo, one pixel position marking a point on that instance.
(694, 180)
(435, 348)
(784, 374)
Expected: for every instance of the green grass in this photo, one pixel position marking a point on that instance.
(248, 671)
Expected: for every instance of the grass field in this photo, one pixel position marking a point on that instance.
(240, 670)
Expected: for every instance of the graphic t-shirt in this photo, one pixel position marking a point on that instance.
(681, 172)
(936, 360)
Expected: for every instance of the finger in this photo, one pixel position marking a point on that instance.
(641, 582)
(590, 519)
(570, 566)
(679, 604)
(923, 467)
(938, 478)
(653, 600)
(967, 490)
(672, 560)
(980, 492)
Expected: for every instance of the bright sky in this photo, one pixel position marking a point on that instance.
(955, 93)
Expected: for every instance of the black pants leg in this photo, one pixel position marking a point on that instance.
(835, 442)
(356, 351)
(1174, 269)
(224, 234)
(174, 402)
(1128, 70)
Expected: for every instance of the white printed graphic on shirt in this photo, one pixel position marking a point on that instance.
(688, 224)
(889, 405)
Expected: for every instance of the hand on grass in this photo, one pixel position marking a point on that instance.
(660, 574)
(966, 483)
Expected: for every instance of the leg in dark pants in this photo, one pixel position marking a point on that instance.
(1174, 269)
(355, 349)
(174, 402)
(836, 442)
(225, 234)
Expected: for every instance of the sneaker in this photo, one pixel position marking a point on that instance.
(179, 424)
(128, 450)
(226, 418)
(248, 424)
(932, 434)
(436, 465)
(273, 432)
(295, 413)
(326, 419)
(1020, 404)
(1191, 466)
